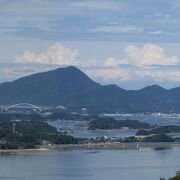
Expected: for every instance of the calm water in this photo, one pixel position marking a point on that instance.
(82, 132)
(90, 165)
(159, 120)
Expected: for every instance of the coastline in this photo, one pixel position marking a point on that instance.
(97, 146)
(24, 150)
(109, 130)
(114, 146)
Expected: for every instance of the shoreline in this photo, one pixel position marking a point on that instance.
(114, 146)
(111, 130)
(23, 150)
(97, 146)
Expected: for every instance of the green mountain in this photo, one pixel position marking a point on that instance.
(73, 89)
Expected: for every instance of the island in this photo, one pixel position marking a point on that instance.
(160, 130)
(33, 130)
(110, 124)
(145, 132)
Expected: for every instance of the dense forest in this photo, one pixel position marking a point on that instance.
(29, 133)
(110, 123)
(160, 130)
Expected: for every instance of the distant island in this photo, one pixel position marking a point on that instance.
(31, 130)
(110, 124)
(160, 130)
(145, 133)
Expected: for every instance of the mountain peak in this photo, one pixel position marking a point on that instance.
(73, 74)
(68, 68)
(73, 89)
(153, 87)
(154, 91)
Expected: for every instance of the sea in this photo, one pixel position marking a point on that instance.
(143, 164)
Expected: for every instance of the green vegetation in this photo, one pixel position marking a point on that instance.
(160, 130)
(153, 138)
(15, 116)
(158, 138)
(28, 134)
(177, 177)
(110, 123)
(130, 139)
(32, 130)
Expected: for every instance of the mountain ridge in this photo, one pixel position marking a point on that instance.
(73, 89)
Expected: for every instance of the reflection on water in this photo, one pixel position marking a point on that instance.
(144, 164)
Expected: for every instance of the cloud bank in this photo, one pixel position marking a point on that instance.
(57, 54)
(149, 54)
(148, 63)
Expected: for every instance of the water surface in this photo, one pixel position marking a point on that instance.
(144, 164)
(79, 128)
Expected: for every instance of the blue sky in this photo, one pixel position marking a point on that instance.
(132, 43)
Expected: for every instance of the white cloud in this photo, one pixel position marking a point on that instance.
(133, 78)
(110, 74)
(149, 54)
(114, 62)
(57, 54)
(160, 75)
(138, 63)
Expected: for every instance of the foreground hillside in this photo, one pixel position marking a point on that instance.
(73, 89)
(25, 134)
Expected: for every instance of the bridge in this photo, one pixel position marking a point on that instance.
(23, 106)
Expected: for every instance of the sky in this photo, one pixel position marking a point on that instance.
(131, 43)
